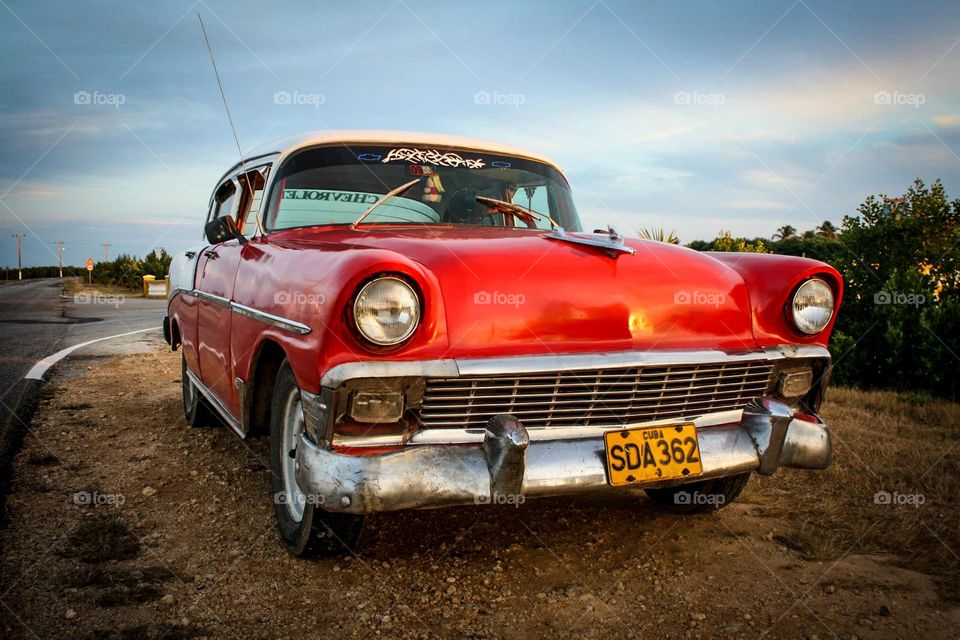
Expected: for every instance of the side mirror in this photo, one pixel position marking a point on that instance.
(222, 229)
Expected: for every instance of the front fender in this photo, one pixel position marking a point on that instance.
(771, 281)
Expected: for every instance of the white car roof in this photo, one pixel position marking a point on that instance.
(285, 146)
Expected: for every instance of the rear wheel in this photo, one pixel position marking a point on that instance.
(196, 410)
(305, 528)
(697, 497)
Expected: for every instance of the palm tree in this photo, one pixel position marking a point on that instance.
(827, 230)
(785, 232)
(659, 235)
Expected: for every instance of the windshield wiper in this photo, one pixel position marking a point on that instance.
(396, 192)
(525, 214)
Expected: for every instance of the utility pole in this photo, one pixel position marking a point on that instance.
(19, 238)
(60, 256)
(106, 252)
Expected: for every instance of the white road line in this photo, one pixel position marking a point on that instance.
(36, 372)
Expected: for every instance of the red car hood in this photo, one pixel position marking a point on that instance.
(518, 291)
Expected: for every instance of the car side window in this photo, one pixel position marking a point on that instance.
(226, 200)
(252, 183)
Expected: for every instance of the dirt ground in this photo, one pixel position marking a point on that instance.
(124, 523)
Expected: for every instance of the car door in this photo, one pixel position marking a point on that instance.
(216, 272)
(217, 268)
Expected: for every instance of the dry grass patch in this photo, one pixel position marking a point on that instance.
(893, 487)
(78, 286)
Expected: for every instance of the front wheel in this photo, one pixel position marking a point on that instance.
(305, 528)
(697, 497)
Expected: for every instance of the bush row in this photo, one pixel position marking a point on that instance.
(899, 326)
(124, 271)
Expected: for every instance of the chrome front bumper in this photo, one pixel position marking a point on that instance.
(508, 464)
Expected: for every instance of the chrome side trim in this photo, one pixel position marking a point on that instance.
(268, 318)
(217, 404)
(453, 368)
(220, 301)
(262, 316)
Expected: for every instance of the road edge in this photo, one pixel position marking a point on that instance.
(13, 429)
(17, 415)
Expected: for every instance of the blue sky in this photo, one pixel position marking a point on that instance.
(691, 116)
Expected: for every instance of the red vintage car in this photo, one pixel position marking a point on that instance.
(420, 321)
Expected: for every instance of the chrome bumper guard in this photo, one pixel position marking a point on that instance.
(507, 464)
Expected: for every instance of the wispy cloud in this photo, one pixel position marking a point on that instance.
(691, 118)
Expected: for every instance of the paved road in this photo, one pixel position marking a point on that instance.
(37, 321)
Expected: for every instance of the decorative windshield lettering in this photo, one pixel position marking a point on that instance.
(434, 157)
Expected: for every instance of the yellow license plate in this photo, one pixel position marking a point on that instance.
(646, 454)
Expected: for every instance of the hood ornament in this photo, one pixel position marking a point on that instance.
(612, 244)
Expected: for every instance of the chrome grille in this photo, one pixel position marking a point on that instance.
(596, 397)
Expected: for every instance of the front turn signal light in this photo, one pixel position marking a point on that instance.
(375, 407)
(795, 383)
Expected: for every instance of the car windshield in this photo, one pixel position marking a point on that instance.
(336, 185)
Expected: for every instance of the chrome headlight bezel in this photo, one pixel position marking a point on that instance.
(815, 294)
(405, 294)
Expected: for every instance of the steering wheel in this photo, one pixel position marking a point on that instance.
(463, 207)
(491, 209)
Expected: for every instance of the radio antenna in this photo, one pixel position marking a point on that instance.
(226, 108)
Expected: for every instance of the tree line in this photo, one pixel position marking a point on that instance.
(899, 325)
(124, 271)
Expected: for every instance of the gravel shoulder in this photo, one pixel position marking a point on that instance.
(124, 523)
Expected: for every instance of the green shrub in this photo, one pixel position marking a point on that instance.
(899, 325)
(126, 271)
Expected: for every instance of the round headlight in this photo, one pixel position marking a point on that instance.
(387, 311)
(812, 306)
